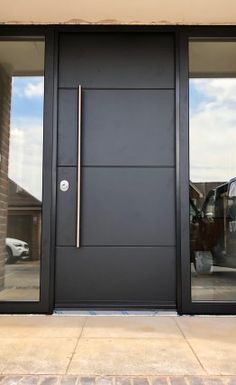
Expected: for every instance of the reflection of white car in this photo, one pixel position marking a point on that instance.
(16, 249)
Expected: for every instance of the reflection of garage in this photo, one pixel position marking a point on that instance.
(24, 218)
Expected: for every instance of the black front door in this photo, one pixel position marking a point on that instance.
(119, 89)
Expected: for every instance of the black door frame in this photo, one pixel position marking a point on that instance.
(184, 303)
(182, 33)
(45, 305)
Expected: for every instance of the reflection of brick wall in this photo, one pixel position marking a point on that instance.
(5, 106)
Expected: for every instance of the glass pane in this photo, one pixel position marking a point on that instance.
(21, 149)
(212, 127)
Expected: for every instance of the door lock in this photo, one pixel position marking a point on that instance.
(64, 185)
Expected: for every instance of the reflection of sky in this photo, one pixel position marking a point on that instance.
(212, 129)
(197, 97)
(26, 134)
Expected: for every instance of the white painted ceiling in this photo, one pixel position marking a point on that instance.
(118, 11)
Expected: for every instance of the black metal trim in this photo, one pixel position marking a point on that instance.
(45, 305)
(54, 172)
(115, 28)
(51, 32)
(177, 174)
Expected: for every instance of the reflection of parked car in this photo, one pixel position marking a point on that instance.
(213, 230)
(16, 249)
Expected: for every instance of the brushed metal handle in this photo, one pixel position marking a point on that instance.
(79, 164)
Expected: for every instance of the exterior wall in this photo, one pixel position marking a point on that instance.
(5, 107)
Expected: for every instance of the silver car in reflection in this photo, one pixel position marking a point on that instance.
(16, 250)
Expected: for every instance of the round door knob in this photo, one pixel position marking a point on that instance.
(64, 185)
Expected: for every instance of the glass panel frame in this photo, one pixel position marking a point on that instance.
(45, 305)
(184, 302)
(21, 128)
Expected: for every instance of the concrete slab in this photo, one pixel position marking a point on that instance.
(131, 327)
(41, 326)
(35, 355)
(217, 357)
(117, 356)
(118, 346)
(208, 328)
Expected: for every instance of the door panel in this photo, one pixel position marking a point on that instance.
(127, 194)
(116, 60)
(125, 206)
(120, 127)
(135, 279)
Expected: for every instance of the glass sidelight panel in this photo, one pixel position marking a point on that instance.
(212, 129)
(21, 151)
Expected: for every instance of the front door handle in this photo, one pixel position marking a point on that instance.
(79, 164)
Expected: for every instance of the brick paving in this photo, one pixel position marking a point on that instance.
(115, 380)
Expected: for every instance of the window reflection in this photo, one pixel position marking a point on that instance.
(21, 149)
(212, 89)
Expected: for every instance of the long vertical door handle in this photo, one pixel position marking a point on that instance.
(79, 164)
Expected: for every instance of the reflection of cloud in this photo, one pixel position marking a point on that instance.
(29, 87)
(25, 157)
(34, 90)
(213, 131)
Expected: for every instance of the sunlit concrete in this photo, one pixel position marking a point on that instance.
(117, 345)
(118, 12)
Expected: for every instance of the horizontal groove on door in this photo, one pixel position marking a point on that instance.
(117, 166)
(119, 89)
(120, 166)
(86, 246)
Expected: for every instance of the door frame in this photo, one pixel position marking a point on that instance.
(45, 304)
(182, 33)
(184, 303)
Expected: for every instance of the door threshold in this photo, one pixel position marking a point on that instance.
(107, 313)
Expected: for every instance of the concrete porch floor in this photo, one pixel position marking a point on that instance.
(122, 350)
